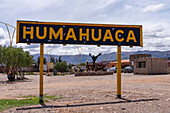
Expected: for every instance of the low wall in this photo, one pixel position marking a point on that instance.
(93, 73)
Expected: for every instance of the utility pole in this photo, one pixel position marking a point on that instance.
(48, 62)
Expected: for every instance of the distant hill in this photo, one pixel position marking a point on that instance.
(109, 57)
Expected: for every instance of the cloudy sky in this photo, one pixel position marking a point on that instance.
(153, 15)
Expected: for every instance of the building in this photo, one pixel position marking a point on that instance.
(124, 63)
(134, 57)
(168, 66)
(26, 69)
(149, 65)
(106, 63)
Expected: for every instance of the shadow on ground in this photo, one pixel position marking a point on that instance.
(16, 81)
(123, 100)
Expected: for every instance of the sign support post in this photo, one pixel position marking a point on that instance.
(118, 71)
(41, 72)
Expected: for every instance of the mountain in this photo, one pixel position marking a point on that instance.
(109, 57)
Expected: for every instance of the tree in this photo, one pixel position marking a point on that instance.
(35, 63)
(82, 64)
(61, 66)
(56, 60)
(52, 59)
(59, 59)
(70, 65)
(44, 61)
(15, 58)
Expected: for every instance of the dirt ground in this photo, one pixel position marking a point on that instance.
(92, 94)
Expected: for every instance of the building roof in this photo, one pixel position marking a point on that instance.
(140, 54)
(122, 61)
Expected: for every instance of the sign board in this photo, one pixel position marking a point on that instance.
(78, 33)
(50, 65)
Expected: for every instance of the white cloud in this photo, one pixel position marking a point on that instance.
(155, 25)
(3, 33)
(158, 31)
(104, 3)
(4, 37)
(128, 7)
(153, 8)
(102, 15)
(25, 6)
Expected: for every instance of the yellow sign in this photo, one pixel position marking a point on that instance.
(50, 65)
(75, 33)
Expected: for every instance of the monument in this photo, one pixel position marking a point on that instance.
(94, 58)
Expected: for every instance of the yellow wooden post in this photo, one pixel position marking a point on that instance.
(41, 72)
(118, 71)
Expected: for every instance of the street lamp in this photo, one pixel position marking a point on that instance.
(10, 38)
(80, 51)
(48, 62)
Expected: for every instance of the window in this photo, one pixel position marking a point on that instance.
(141, 64)
(132, 63)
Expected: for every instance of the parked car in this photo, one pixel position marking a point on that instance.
(105, 69)
(112, 69)
(128, 70)
(122, 70)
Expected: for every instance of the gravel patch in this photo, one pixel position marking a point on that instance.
(92, 94)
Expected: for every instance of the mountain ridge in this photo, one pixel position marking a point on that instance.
(104, 57)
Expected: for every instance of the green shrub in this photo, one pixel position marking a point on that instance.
(61, 66)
